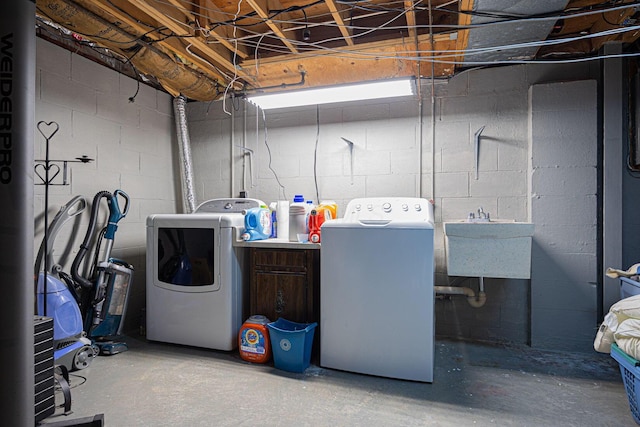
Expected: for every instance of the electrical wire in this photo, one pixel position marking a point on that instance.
(266, 143)
(235, 68)
(397, 13)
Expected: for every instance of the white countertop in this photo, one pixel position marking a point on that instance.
(274, 244)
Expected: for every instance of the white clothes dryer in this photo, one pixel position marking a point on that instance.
(376, 293)
(194, 275)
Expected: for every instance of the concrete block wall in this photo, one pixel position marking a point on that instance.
(564, 160)
(385, 157)
(133, 145)
(387, 141)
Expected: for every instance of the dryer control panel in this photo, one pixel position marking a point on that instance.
(232, 205)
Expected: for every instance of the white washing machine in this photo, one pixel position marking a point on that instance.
(194, 275)
(376, 293)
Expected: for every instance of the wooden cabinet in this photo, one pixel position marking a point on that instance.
(285, 283)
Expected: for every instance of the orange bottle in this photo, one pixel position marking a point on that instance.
(316, 219)
(253, 340)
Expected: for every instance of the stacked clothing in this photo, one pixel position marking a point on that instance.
(622, 326)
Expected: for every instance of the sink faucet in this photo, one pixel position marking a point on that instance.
(482, 215)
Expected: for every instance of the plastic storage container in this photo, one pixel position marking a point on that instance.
(630, 370)
(628, 288)
(254, 341)
(292, 343)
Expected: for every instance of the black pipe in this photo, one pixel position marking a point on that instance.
(17, 126)
(84, 247)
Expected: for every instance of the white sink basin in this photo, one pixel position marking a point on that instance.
(489, 249)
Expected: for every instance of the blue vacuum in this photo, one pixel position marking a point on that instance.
(106, 288)
(88, 312)
(71, 346)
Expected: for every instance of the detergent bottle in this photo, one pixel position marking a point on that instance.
(274, 220)
(331, 206)
(298, 211)
(317, 217)
(253, 340)
(257, 224)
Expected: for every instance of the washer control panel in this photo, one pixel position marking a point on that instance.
(389, 209)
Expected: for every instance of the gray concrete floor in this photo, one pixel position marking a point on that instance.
(156, 384)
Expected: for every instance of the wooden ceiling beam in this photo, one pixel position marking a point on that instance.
(177, 27)
(262, 9)
(463, 35)
(175, 77)
(171, 46)
(411, 19)
(337, 12)
(222, 33)
(366, 62)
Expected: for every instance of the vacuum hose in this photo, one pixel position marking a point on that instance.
(84, 247)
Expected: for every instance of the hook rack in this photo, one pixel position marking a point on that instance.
(44, 168)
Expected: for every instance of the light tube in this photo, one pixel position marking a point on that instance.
(327, 95)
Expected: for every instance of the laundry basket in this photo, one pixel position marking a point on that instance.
(630, 370)
(291, 344)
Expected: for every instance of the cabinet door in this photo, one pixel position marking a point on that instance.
(280, 295)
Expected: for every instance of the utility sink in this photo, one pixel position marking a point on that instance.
(493, 248)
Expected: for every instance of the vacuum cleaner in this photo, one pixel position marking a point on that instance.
(88, 312)
(107, 285)
(71, 346)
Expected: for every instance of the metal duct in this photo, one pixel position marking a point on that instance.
(509, 33)
(175, 78)
(17, 125)
(186, 168)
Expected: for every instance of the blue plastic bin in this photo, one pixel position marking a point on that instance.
(630, 370)
(628, 288)
(291, 344)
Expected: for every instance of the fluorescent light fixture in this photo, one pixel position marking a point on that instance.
(328, 95)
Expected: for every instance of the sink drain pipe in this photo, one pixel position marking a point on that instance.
(186, 168)
(475, 301)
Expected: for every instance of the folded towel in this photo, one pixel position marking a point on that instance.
(634, 270)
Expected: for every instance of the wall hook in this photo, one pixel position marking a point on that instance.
(476, 140)
(350, 144)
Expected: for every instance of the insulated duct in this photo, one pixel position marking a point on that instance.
(186, 167)
(175, 78)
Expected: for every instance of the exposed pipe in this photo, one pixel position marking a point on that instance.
(186, 167)
(433, 109)
(231, 150)
(473, 300)
(245, 151)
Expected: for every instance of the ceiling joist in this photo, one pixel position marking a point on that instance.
(206, 48)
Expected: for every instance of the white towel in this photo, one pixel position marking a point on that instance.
(634, 270)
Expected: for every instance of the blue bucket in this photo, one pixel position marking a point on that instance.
(291, 344)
